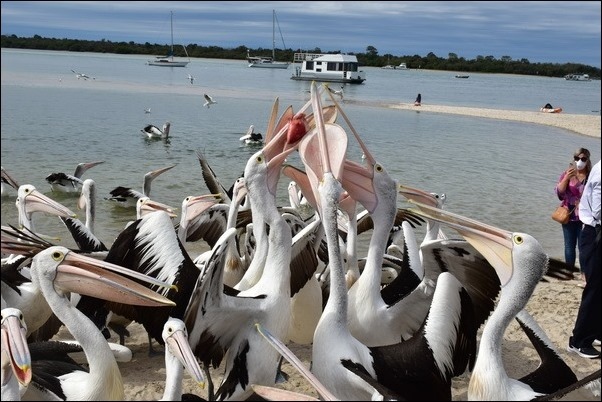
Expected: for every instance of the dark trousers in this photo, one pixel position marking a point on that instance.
(588, 323)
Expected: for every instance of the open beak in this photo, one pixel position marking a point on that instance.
(147, 206)
(178, 344)
(495, 244)
(14, 346)
(96, 278)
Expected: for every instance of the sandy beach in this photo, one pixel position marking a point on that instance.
(554, 304)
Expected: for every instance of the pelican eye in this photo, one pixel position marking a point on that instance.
(57, 256)
(259, 158)
(378, 168)
(518, 239)
(170, 330)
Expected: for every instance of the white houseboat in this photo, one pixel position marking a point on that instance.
(577, 77)
(327, 67)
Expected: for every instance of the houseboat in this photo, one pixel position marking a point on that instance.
(577, 77)
(327, 67)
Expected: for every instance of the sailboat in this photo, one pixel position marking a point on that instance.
(269, 62)
(168, 61)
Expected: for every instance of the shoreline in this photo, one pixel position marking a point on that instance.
(587, 125)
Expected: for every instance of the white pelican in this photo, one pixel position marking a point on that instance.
(154, 132)
(191, 79)
(16, 359)
(520, 263)
(67, 183)
(251, 137)
(127, 197)
(267, 301)
(418, 368)
(178, 357)
(7, 182)
(208, 101)
(57, 270)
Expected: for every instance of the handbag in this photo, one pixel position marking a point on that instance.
(562, 214)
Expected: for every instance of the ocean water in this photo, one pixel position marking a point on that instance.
(495, 171)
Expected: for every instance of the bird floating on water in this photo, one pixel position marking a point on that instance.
(208, 101)
(191, 79)
(251, 137)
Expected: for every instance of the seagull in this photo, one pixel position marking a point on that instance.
(336, 92)
(147, 111)
(208, 101)
(82, 75)
(191, 79)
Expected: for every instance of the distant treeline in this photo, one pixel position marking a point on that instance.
(371, 58)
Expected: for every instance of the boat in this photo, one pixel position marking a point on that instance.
(401, 66)
(336, 67)
(168, 61)
(462, 76)
(577, 77)
(269, 62)
(551, 110)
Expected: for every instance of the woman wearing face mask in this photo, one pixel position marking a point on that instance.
(569, 189)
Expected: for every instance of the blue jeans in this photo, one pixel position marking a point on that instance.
(571, 232)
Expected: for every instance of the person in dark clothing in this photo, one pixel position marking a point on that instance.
(418, 100)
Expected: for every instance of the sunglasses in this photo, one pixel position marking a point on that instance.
(576, 158)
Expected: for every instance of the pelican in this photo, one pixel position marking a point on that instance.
(67, 183)
(251, 137)
(267, 301)
(208, 101)
(6, 182)
(520, 263)
(337, 355)
(127, 197)
(153, 132)
(16, 359)
(56, 271)
(191, 79)
(178, 357)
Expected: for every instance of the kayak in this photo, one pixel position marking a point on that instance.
(553, 110)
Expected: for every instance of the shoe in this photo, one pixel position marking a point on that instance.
(587, 352)
(596, 342)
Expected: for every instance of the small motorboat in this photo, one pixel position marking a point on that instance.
(462, 76)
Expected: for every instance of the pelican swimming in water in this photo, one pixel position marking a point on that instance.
(208, 101)
(251, 137)
(67, 183)
(128, 197)
(153, 131)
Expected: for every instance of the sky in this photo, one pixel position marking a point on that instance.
(539, 31)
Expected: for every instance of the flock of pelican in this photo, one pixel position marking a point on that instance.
(399, 323)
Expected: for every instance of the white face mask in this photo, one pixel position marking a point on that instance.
(580, 165)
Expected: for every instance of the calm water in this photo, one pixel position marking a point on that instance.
(498, 172)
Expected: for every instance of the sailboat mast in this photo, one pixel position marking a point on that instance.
(273, 34)
(171, 24)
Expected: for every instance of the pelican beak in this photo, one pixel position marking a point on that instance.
(150, 176)
(418, 195)
(240, 189)
(192, 208)
(294, 360)
(178, 344)
(14, 346)
(495, 244)
(11, 182)
(86, 166)
(147, 206)
(96, 278)
(35, 201)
